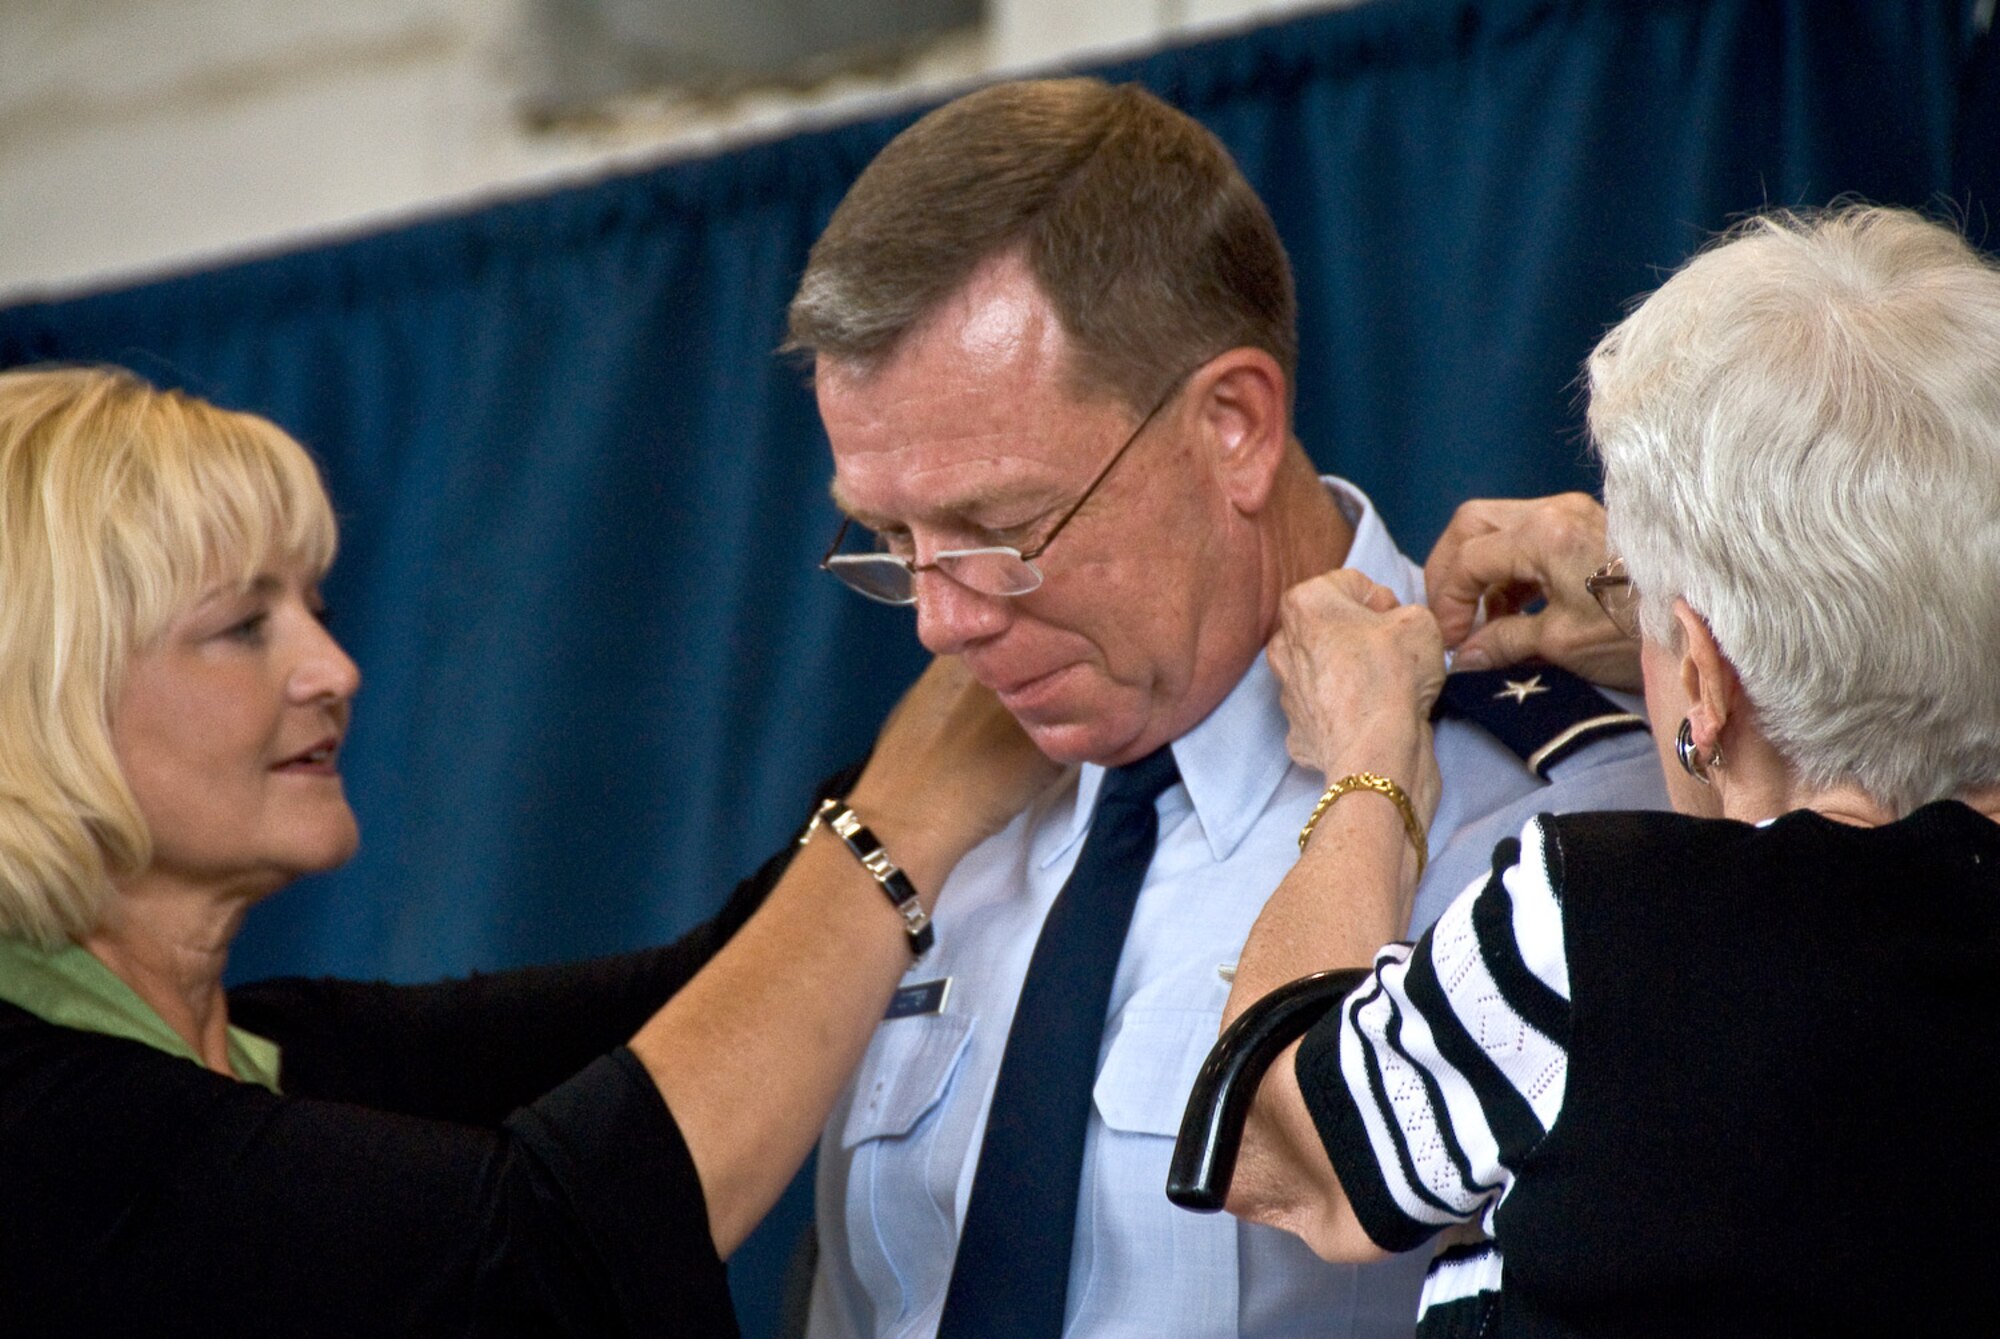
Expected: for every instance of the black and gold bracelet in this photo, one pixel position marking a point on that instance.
(896, 886)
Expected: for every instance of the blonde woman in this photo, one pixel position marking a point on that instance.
(563, 1150)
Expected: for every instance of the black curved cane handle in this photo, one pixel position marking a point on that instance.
(1212, 1129)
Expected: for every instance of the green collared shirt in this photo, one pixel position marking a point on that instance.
(72, 989)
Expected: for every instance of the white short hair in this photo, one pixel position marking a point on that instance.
(1800, 434)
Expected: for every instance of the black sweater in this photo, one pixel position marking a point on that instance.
(479, 1157)
(1774, 1116)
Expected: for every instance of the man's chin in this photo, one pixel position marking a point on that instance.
(1080, 741)
(1075, 717)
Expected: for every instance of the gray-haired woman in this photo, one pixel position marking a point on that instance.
(1719, 1071)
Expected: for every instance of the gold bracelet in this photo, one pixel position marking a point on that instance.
(1381, 785)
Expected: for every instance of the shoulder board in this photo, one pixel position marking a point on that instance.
(1539, 711)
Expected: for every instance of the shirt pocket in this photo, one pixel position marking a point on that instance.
(900, 1189)
(907, 1070)
(1141, 1091)
(1150, 1068)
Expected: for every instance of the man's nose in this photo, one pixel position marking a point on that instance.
(952, 618)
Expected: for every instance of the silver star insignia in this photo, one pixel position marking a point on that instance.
(1522, 689)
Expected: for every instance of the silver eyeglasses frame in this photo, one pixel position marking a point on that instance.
(1616, 596)
(890, 578)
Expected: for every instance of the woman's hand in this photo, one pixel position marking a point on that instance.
(1510, 554)
(1358, 673)
(949, 770)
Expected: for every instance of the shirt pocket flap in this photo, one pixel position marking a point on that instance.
(907, 1069)
(1144, 1085)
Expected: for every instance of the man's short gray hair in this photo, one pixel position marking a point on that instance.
(1800, 434)
(1131, 216)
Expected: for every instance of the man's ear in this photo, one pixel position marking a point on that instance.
(1238, 401)
(1715, 692)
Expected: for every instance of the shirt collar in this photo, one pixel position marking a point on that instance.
(1374, 553)
(1231, 763)
(71, 988)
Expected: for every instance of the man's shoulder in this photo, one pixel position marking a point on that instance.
(1503, 765)
(1544, 715)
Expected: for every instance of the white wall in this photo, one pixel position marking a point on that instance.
(144, 136)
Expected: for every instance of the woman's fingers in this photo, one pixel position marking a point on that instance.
(1352, 663)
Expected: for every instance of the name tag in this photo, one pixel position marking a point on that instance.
(923, 997)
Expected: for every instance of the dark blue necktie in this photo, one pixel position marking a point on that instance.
(1011, 1277)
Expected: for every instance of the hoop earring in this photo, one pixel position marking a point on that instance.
(1690, 760)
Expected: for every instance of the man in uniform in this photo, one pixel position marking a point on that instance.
(1053, 340)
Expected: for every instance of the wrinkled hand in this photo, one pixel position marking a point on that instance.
(1358, 673)
(949, 770)
(1510, 554)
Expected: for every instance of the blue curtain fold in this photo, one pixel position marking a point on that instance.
(582, 499)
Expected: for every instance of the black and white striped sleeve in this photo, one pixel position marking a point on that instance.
(1437, 1076)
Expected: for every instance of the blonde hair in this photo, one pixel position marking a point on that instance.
(1801, 436)
(119, 504)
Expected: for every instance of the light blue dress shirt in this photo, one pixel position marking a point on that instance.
(897, 1160)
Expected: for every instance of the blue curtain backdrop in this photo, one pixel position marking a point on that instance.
(582, 500)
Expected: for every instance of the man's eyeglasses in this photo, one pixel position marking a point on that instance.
(997, 569)
(1616, 596)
